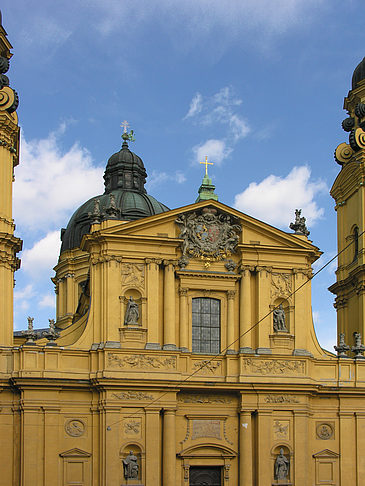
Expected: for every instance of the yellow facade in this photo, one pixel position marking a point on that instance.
(114, 393)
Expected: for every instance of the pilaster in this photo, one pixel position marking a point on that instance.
(245, 311)
(230, 321)
(169, 332)
(245, 448)
(262, 330)
(169, 448)
(153, 446)
(184, 322)
(153, 267)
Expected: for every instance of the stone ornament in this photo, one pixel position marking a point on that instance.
(130, 466)
(281, 429)
(209, 235)
(342, 347)
(279, 319)
(343, 153)
(359, 348)
(75, 428)
(325, 431)
(132, 313)
(281, 285)
(282, 464)
(299, 225)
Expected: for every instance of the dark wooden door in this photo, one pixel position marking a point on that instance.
(205, 476)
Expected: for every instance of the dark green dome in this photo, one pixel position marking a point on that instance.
(125, 198)
(359, 73)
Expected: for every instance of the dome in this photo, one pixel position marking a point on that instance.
(359, 73)
(125, 198)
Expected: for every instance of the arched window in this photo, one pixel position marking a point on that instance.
(206, 325)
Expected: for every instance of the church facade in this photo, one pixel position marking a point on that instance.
(183, 351)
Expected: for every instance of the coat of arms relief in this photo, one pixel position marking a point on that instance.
(208, 234)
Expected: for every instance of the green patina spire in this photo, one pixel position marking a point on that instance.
(206, 190)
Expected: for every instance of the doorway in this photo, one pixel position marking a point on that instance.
(205, 476)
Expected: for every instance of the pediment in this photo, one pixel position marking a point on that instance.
(75, 452)
(254, 232)
(326, 453)
(208, 450)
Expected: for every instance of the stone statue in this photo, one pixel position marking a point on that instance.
(342, 347)
(130, 466)
(281, 466)
(279, 319)
(299, 225)
(132, 313)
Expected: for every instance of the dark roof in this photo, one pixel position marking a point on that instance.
(125, 198)
(359, 73)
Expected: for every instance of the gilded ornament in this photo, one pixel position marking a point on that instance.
(343, 153)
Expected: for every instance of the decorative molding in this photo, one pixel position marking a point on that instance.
(133, 275)
(204, 399)
(133, 395)
(281, 399)
(231, 294)
(75, 427)
(206, 366)
(183, 292)
(141, 361)
(274, 366)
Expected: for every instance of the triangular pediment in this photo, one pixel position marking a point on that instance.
(75, 452)
(326, 453)
(254, 232)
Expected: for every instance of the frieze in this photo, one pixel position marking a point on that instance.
(208, 234)
(206, 366)
(75, 428)
(195, 398)
(281, 285)
(275, 367)
(281, 399)
(133, 395)
(141, 361)
(133, 275)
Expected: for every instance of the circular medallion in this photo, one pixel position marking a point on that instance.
(75, 428)
(324, 431)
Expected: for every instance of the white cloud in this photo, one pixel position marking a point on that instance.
(48, 300)
(43, 255)
(158, 178)
(274, 199)
(51, 182)
(215, 150)
(195, 106)
(23, 297)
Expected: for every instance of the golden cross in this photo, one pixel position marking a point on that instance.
(206, 163)
(125, 125)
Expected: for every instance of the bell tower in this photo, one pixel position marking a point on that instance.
(9, 158)
(348, 192)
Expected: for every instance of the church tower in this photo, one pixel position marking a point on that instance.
(9, 158)
(348, 192)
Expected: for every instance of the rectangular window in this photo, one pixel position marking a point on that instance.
(206, 325)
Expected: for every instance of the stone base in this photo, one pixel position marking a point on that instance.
(112, 345)
(231, 351)
(263, 351)
(152, 346)
(302, 352)
(133, 337)
(246, 350)
(282, 343)
(170, 347)
(184, 350)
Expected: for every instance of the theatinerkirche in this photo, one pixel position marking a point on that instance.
(183, 352)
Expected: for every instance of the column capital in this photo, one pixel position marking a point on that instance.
(156, 261)
(183, 292)
(231, 294)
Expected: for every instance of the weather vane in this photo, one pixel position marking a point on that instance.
(206, 163)
(127, 136)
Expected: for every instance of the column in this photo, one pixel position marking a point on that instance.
(264, 464)
(301, 456)
(245, 311)
(112, 307)
(153, 304)
(263, 329)
(169, 339)
(169, 448)
(230, 322)
(184, 321)
(69, 293)
(153, 446)
(245, 449)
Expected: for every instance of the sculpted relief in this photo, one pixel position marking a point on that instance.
(208, 234)
(132, 275)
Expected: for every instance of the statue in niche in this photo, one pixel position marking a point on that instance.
(130, 466)
(279, 319)
(132, 313)
(281, 466)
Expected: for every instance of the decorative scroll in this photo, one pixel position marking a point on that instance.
(133, 361)
(343, 153)
(274, 367)
(206, 366)
(209, 235)
(133, 395)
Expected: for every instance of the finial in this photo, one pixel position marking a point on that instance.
(127, 136)
(206, 163)
(299, 225)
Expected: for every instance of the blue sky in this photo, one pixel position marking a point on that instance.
(258, 86)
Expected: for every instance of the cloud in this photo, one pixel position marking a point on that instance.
(195, 106)
(215, 150)
(23, 297)
(51, 182)
(48, 300)
(42, 257)
(158, 178)
(275, 198)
